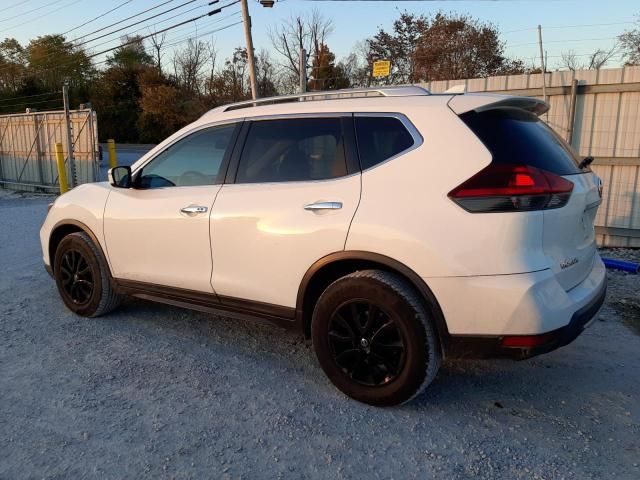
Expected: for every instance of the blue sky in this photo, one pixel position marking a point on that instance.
(562, 20)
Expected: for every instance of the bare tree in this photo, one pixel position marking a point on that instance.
(630, 44)
(600, 57)
(357, 65)
(307, 32)
(266, 74)
(212, 54)
(188, 64)
(595, 60)
(570, 60)
(157, 41)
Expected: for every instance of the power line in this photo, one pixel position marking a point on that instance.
(29, 96)
(205, 33)
(51, 52)
(581, 25)
(14, 5)
(125, 19)
(135, 23)
(93, 55)
(30, 11)
(29, 103)
(42, 16)
(563, 41)
(144, 27)
(139, 39)
(97, 17)
(181, 41)
(195, 32)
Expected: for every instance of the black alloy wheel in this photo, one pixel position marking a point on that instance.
(374, 338)
(77, 278)
(366, 343)
(82, 276)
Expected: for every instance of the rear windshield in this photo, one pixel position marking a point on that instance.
(514, 136)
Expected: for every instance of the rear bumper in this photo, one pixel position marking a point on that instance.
(516, 316)
(492, 347)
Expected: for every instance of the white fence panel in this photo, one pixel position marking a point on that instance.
(27, 149)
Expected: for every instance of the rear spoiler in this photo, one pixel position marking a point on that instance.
(482, 102)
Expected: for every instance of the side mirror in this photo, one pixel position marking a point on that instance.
(120, 176)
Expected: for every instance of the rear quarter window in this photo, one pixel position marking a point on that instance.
(380, 138)
(514, 136)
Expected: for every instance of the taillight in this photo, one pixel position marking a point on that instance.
(512, 188)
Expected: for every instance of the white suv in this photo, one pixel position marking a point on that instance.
(390, 226)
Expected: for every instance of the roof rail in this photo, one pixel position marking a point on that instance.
(400, 91)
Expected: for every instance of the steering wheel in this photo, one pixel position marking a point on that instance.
(193, 177)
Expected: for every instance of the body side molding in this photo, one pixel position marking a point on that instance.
(210, 303)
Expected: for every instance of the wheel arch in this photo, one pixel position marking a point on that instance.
(67, 227)
(335, 265)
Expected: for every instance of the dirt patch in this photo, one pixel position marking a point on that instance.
(158, 392)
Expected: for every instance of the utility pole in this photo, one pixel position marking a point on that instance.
(252, 62)
(303, 70)
(543, 63)
(67, 117)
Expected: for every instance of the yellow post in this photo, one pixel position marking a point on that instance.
(113, 159)
(62, 171)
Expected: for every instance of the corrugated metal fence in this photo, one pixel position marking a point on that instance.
(27, 149)
(606, 125)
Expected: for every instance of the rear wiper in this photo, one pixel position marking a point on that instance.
(586, 162)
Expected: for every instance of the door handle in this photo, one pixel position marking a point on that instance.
(194, 209)
(323, 206)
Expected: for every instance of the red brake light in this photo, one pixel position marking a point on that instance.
(509, 188)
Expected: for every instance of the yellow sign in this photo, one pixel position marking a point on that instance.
(381, 68)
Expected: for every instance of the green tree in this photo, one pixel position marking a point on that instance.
(165, 106)
(231, 84)
(116, 93)
(131, 54)
(399, 45)
(458, 46)
(325, 74)
(12, 66)
(51, 60)
(441, 47)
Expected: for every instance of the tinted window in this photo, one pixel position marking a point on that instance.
(292, 150)
(380, 138)
(194, 160)
(514, 136)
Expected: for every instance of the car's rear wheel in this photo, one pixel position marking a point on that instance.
(374, 339)
(82, 277)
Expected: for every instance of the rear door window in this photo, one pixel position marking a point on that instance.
(380, 138)
(292, 150)
(514, 136)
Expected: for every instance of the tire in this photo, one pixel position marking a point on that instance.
(82, 277)
(398, 354)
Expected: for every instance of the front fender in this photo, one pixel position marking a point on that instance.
(82, 207)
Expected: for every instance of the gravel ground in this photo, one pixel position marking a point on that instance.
(158, 392)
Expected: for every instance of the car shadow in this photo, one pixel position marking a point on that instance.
(269, 350)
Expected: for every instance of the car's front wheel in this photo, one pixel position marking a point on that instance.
(82, 277)
(374, 338)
